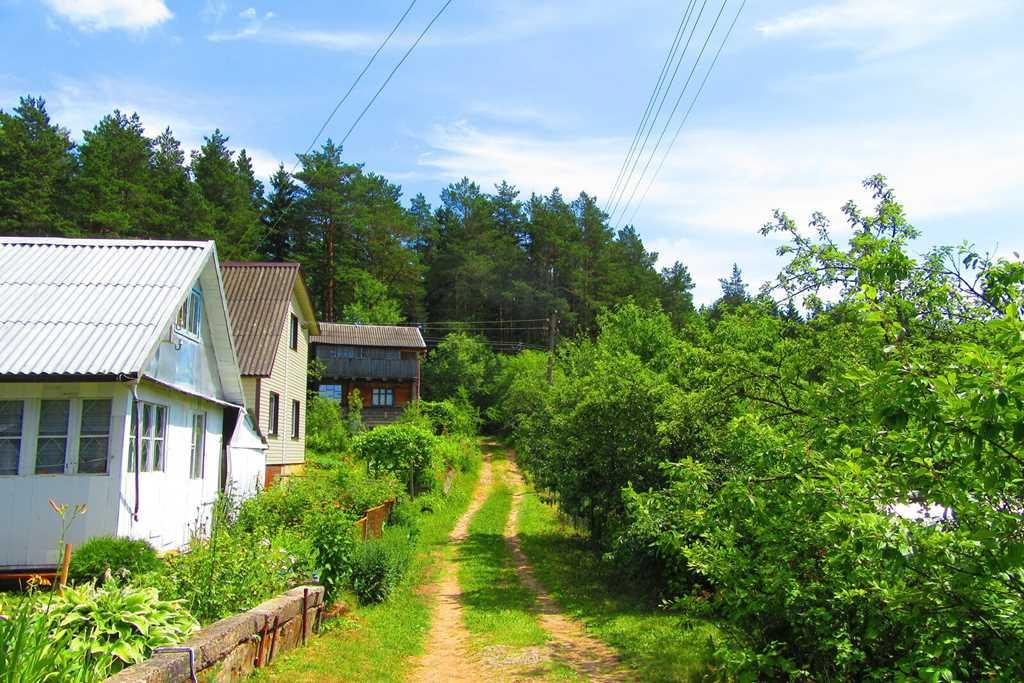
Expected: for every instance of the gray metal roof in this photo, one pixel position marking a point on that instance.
(89, 307)
(391, 336)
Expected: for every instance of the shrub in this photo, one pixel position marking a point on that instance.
(231, 571)
(325, 431)
(120, 622)
(448, 416)
(122, 558)
(400, 449)
(332, 536)
(457, 452)
(378, 566)
(460, 364)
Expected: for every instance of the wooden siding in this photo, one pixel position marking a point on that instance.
(288, 380)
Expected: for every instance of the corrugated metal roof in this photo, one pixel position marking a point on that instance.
(88, 307)
(258, 295)
(392, 336)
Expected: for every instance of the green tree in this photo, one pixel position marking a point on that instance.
(282, 231)
(228, 191)
(37, 165)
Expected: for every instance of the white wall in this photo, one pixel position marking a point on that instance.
(170, 502)
(246, 460)
(30, 532)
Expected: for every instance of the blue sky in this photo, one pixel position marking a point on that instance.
(808, 98)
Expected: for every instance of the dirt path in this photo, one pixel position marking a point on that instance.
(448, 653)
(569, 644)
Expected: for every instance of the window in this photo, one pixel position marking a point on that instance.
(154, 425)
(332, 391)
(383, 397)
(296, 415)
(293, 333)
(11, 414)
(198, 446)
(94, 436)
(52, 444)
(273, 415)
(190, 315)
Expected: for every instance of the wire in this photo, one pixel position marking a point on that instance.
(675, 107)
(657, 115)
(679, 130)
(358, 78)
(650, 101)
(390, 75)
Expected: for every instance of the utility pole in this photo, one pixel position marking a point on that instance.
(551, 345)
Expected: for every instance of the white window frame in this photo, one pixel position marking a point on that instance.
(150, 440)
(19, 439)
(197, 461)
(328, 391)
(82, 434)
(189, 322)
(384, 399)
(296, 419)
(274, 414)
(293, 332)
(66, 435)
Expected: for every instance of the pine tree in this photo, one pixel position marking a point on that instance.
(281, 220)
(734, 290)
(37, 165)
(228, 193)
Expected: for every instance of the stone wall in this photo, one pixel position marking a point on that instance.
(230, 649)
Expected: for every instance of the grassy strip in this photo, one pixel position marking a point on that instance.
(497, 609)
(375, 643)
(658, 645)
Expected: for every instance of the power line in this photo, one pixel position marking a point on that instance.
(679, 130)
(390, 75)
(650, 101)
(675, 107)
(657, 114)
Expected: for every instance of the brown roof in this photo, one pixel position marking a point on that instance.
(258, 295)
(391, 336)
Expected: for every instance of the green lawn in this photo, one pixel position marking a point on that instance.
(375, 643)
(658, 645)
(497, 609)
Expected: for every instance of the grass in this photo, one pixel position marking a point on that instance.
(497, 609)
(374, 643)
(658, 645)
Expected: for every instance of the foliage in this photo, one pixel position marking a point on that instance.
(445, 417)
(27, 654)
(457, 452)
(403, 450)
(120, 622)
(332, 536)
(841, 492)
(379, 565)
(325, 430)
(103, 556)
(459, 365)
(354, 412)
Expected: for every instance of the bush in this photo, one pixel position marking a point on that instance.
(404, 450)
(333, 539)
(231, 571)
(121, 558)
(460, 365)
(458, 452)
(326, 433)
(447, 416)
(122, 623)
(378, 566)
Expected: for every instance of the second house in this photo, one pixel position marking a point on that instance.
(272, 318)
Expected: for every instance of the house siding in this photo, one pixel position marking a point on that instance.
(288, 380)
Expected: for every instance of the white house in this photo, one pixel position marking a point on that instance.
(98, 338)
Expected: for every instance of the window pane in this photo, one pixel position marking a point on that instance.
(50, 455)
(92, 454)
(160, 424)
(96, 416)
(147, 420)
(158, 455)
(10, 449)
(53, 417)
(10, 417)
(198, 445)
(144, 464)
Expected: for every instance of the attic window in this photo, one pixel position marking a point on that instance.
(190, 315)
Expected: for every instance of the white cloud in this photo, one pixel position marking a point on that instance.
(248, 13)
(103, 15)
(261, 29)
(876, 27)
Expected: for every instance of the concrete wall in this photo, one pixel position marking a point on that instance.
(232, 648)
(30, 533)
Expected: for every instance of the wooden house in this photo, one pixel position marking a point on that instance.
(381, 362)
(272, 318)
(119, 390)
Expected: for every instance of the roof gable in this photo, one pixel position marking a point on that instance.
(258, 296)
(391, 336)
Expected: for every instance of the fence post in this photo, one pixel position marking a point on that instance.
(64, 567)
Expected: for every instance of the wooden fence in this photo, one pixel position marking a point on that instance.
(371, 525)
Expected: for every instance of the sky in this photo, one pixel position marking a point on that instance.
(807, 99)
